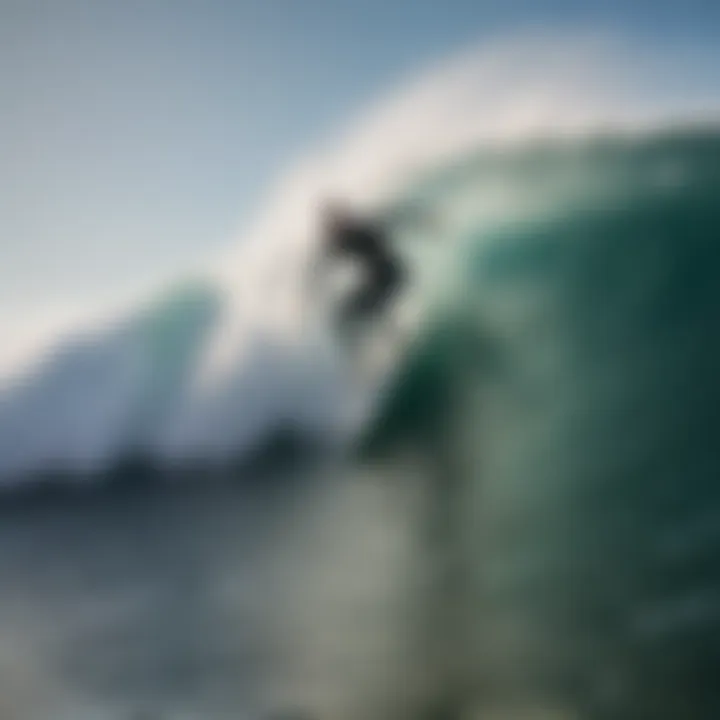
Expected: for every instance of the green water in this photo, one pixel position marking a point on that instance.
(583, 429)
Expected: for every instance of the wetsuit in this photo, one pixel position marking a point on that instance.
(367, 244)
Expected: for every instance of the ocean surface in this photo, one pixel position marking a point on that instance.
(216, 600)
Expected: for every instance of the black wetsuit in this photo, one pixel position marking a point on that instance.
(367, 244)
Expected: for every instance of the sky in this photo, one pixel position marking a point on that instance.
(139, 135)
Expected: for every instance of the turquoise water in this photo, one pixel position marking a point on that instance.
(565, 402)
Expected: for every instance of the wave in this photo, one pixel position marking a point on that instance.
(563, 396)
(511, 221)
(246, 357)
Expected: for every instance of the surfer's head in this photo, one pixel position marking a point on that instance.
(336, 215)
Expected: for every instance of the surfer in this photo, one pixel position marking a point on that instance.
(366, 242)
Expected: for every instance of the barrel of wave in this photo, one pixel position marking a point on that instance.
(574, 389)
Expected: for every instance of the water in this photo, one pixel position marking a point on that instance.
(565, 403)
(210, 600)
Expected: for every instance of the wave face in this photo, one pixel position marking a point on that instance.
(564, 395)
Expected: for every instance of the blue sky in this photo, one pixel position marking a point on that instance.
(138, 134)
